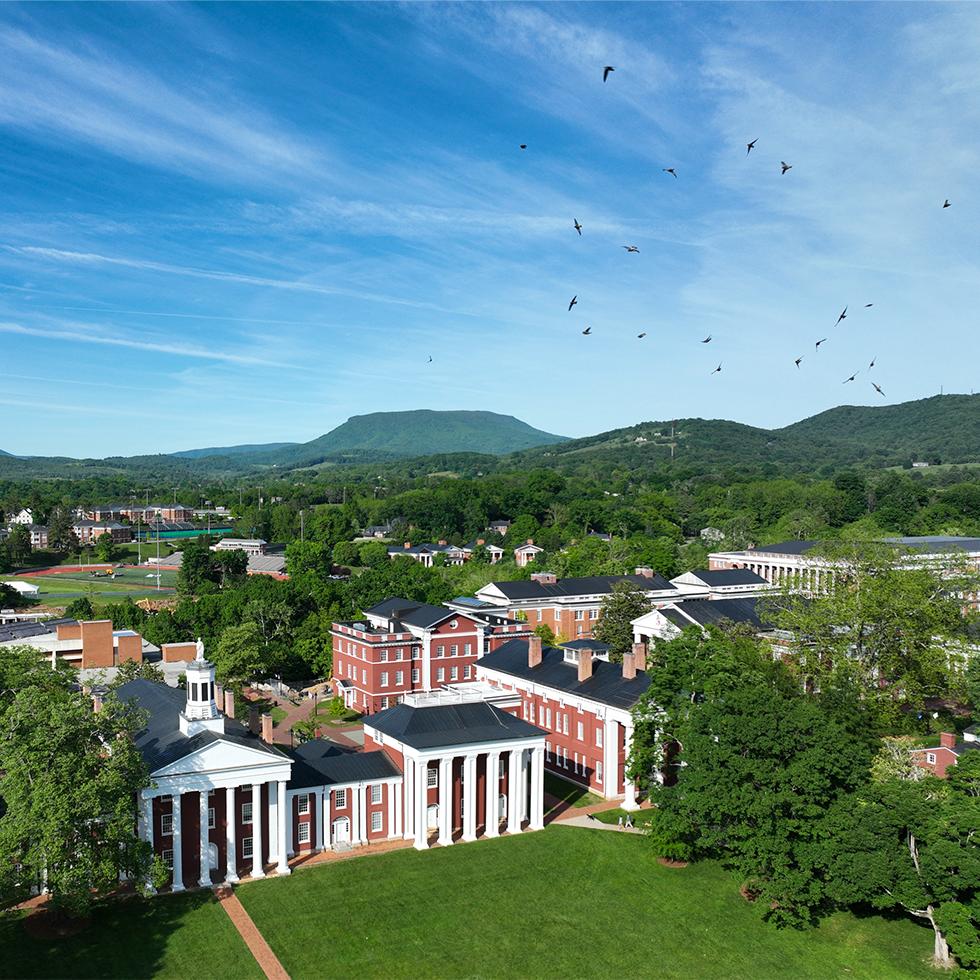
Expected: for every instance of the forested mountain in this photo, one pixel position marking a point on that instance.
(265, 447)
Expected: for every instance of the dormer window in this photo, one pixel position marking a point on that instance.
(571, 656)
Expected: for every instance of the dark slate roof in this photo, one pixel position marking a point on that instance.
(606, 684)
(730, 576)
(161, 741)
(925, 543)
(451, 724)
(590, 585)
(321, 762)
(675, 616)
(784, 548)
(587, 645)
(711, 612)
(413, 613)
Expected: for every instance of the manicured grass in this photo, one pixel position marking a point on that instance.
(130, 583)
(568, 792)
(563, 902)
(641, 818)
(277, 714)
(182, 936)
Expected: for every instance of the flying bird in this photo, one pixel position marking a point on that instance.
(868, 305)
(797, 361)
(577, 226)
(523, 146)
(606, 71)
(707, 340)
(640, 336)
(573, 302)
(748, 146)
(786, 166)
(851, 378)
(717, 370)
(631, 248)
(587, 331)
(670, 170)
(871, 365)
(843, 316)
(876, 388)
(819, 342)
(946, 203)
(430, 359)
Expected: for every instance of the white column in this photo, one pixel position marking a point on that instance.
(355, 816)
(420, 805)
(362, 812)
(273, 811)
(610, 755)
(493, 794)
(537, 788)
(204, 879)
(629, 798)
(231, 843)
(284, 823)
(321, 816)
(257, 871)
(144, 818)
(426, 669)
(396, 795)
(445, 800)
(514, 792)
(525, 773)
(178, 877)
(408, 799)
(469, 798)
(392, 794)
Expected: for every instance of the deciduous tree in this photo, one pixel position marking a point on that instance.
(624, 603)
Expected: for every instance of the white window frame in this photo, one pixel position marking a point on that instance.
(453, 650)
(580, 729)
(415, 675)
(382, 656)
(598, 772)
(247, 812)
(598, 737)
(211, 818)
(431, 778)
(246, 848)
(340, 799)
(454, 673)
(383, 681)
(376, 817)
(303, 832)
(376, 793)
(303, 804)
(931, 758)
(441, 675)
(547, 751)
(166, 824)
(168, 858)
(399, 678)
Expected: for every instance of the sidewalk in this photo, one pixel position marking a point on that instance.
(258, 947)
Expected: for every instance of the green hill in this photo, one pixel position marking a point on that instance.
(418, 433)
(245, 450)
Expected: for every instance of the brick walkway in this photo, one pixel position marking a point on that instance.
(259, 948)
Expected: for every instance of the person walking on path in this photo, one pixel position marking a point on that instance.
(620, 822)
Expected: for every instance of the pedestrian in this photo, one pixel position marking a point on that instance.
(629, 821)
(620, 822)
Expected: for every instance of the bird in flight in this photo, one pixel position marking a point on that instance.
(946, 203)
(786, 166)
(868, 305)
(587, 331)
(573, 302)
(523, 146)
(670, 170)
(430, 359)
(717, 370)
(748, 146)
(631, 248)
(843, 316)
(640, 336)
(851, 378)
(797, 361)
(606, 71)
(871, 365)
(577, 226)
(707, 340)
(819, 342)
(876, 388)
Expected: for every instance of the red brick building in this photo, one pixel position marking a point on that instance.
(939, 758)
(402, 647)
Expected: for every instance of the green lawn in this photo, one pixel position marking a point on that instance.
(185, 936)
(71, 586)
(641, 818)
(569, 792)
(564, 902)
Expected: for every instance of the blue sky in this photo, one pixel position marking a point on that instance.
(224, 224)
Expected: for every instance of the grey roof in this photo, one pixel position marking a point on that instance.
(590, 585)
(451, 724)
(674, 615)
(586, 645)
(606, 684)
(730, 576)
(412, 613)
(321, 762)
(711, 612)
(24, 631)
(925, 543)
(161, 741)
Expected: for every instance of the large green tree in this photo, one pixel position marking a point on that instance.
(241, 654)
(19, 544)
(68, 777)
(756, 762)
(912, 846)
(61, 537)
(617, 611)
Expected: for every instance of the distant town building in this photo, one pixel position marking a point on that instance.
(88, 532)
(25, 516)
(251, 546)
(938, 759)
(525, 553)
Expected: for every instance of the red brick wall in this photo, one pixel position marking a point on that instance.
(97, 647)
(944, 759)
(130, 648)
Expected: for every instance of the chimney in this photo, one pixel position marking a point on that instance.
(530, 540)
(640, 656)
(408, 544)
(947, 740)
(533, 650)
(441, 542)
(267, 729)
(219, 694)
(253, 719)
(584, 665)
(480, 541)
(644, 570)
(97, 695)
(629, 667)
(230, 704)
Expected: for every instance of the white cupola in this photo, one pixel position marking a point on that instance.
(200, 711)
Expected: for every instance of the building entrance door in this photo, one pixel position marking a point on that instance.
(341, 830)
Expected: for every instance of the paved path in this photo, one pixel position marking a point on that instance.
(599, 825)
(259, 948)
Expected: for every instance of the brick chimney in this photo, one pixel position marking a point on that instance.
(480, 541)
(533, 650)
(584, 665)
(640, 656)
(441, 542)
(230, 704)
(643, 570)
(629, 667)
(947, 740)
(408, 544)
(545, 578)
(219, 694)
(530, 540)
(253, 719)
(98, 693)
(267, 729)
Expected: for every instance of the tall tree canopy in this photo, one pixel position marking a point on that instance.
(624, 603)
